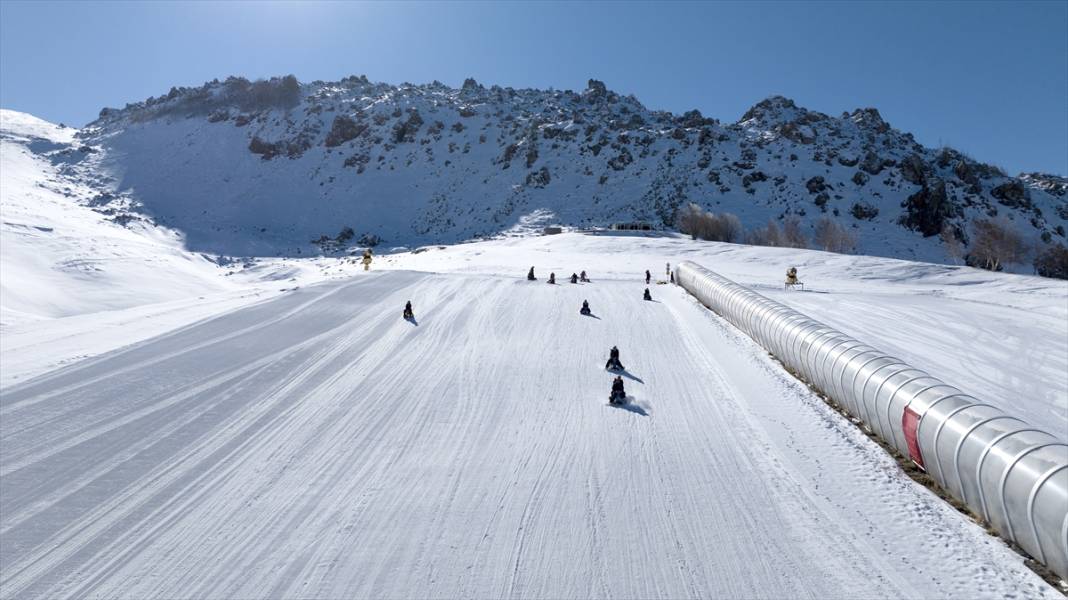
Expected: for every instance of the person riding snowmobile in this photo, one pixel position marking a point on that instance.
(613, 363)
(574, 278)
(585, 310)
(530, 274)
(618, 395)
(582, 277)
(552, 278)
(408, 314)
(648, 276)
(647, 296)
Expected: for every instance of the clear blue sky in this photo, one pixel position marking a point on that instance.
(990, 79)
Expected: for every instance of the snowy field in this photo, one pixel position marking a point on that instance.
(310, 443)
(998, 336)
(170, 427)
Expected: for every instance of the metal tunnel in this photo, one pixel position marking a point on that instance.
(1012, 474)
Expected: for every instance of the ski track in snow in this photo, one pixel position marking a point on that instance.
(317, 445)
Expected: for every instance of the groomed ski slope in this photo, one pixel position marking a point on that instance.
(315, 445)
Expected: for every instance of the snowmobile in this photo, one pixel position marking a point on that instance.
(408, 314)
(613, 363)
(647, 295)
(552, 278)
(530, 275)
(585, 310)
(574, 278)
(618, 395)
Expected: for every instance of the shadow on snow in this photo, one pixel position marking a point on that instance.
(631, 406)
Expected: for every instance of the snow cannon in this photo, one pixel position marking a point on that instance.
(791, 279)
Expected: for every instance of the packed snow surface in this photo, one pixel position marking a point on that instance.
(1000, 337)
(314, 444)
(181, 425)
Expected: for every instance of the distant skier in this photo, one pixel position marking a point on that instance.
(647, 295)
(672, 278)
(648, 276)
(582, 277)
(530, 274)
(618, 395)
(613, 363)
(408, 314)
(585, 310)
(574, 278)
(667, 269)
(552, 278)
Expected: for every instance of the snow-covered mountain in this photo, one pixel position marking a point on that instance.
(264, 168)
(63, 253)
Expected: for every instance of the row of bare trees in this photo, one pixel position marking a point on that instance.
(704, 225)
(725, 227)
(994, 243)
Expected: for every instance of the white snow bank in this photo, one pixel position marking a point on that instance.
(59, 257)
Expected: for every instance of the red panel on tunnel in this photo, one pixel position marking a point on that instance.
(910, 422)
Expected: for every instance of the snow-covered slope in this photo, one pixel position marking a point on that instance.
(998, 336)
(61, 256)
(264, 168)
(318, 446)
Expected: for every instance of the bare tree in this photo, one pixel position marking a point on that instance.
(766, 236)
(996, 243)
(731, 227)
(704, 225)
(954, 247)
(687, 219)
(832, 237)
(792, 235)
(1052, 262)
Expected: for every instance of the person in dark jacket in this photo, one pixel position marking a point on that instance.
(408, 314)
(648, 277)
(530, 274)
(574, 278)
(583, 278)
(647, 296)
(613, 360)
(619, 395)
(585, 310)
(552, 278)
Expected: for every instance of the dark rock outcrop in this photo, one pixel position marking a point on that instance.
(1013, 194)
(913, 169)
(872, 163)
(927, 210)
(815, 185)
(342, 130)
(539, 178)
